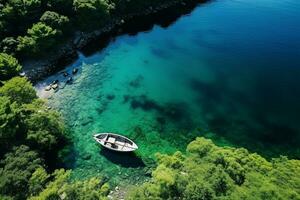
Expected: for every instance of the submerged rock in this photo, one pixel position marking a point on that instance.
(69, 80)
(110, 96)
(54, 82)
(74, 71)
(86, 156)
(54, 86)
(48, 88)
(65, 74)
(86, 121)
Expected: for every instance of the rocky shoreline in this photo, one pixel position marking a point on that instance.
(38, 69)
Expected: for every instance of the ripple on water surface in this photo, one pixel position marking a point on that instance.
(224, 72)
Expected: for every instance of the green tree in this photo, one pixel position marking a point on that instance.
(54, 20)
(61, 188)
(39, 38)
(64, 6)
(16, 15)
(38, 180)
(209, 172)
(44, 129)
(24, 7)
(9, 66)
(18, 90)
(8, 45)
(16, 170)
(91, 13)
(9, 122)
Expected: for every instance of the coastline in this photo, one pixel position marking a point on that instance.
(89, 42)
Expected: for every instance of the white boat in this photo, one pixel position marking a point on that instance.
(115, 142)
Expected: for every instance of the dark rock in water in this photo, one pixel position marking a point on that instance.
(126, 98)
(74, 71)
(86, 121)
(41, 68)
(110, 96)
(70, 79)
(100, 110)
(86, 156)
(55, 82)
(136, 83)
(48, 88)
(161, 120)
(54, 86)
(65, 74)
(144, 103)
(174, 111)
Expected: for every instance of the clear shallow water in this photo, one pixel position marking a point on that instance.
(228, 71)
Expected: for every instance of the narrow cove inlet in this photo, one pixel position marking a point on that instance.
(228, 71)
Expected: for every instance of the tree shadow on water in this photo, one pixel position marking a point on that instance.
(129, 159)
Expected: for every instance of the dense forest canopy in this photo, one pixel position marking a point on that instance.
(31, 134)
(209, 172)
(29, 28)
(30, 137)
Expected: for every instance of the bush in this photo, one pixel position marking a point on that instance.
(9, 66)
(91, 13)
(16, 170)
(9, 45)
(18, 90)
(209, 172)
(54, 20)
(9, 122)
(40, 37)
(61, 188)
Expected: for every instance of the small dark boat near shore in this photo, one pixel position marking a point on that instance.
(115, 142)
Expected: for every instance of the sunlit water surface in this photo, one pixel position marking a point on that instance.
(230, 71)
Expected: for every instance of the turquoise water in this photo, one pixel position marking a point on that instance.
(229, 71)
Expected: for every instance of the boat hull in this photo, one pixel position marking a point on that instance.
(115, 142)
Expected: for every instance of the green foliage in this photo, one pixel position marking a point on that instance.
(61, 188)
(29, 28)
(64, 6)
(43, 127)
(22, 7)
(15, 171)
(9, 66)
(8, 45)
(39, 37)
(54, 20)
(37, 181)
(8, 121)
(24, 118)
(18, 90)
(17, 14)
(210, 172)
(91, 12)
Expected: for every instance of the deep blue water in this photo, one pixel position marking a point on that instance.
(229, 70)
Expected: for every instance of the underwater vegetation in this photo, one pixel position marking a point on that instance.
(171, 111)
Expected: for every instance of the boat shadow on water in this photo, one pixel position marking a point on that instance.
(124, 159)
